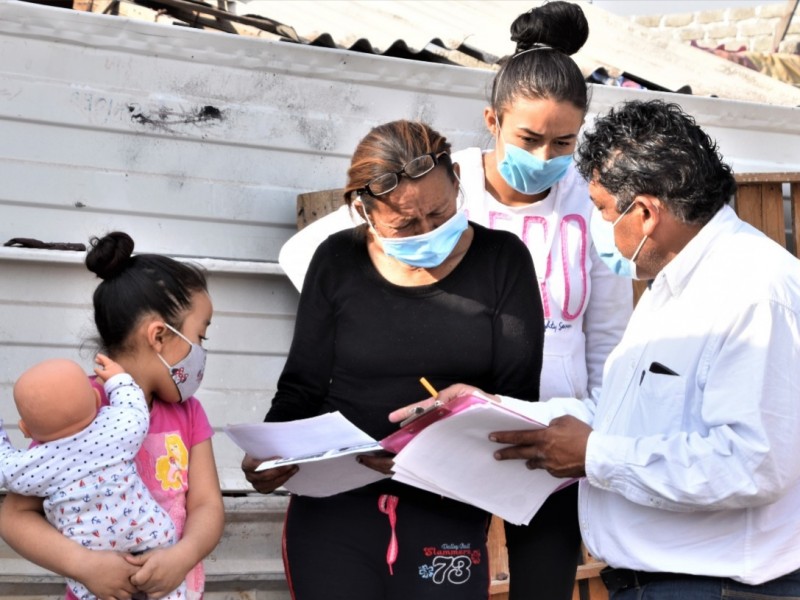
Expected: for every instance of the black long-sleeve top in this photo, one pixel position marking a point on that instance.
(361, 343)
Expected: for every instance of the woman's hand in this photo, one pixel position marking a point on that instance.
(268, 480)
(443, 397)
(159, 571)
(381, 462)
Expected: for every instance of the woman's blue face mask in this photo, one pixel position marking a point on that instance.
(529, 174)
(427, 250)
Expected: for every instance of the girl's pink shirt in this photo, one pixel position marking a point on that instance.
(163, 464)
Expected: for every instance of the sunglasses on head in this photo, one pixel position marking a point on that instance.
(413, 169)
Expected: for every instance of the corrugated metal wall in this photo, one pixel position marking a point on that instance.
(198, 144)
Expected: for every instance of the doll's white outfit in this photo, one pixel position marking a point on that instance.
(92, 492)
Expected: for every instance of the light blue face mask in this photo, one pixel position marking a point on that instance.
(427, 250)
(529, 174)
(603, 237)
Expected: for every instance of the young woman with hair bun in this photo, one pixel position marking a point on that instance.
(528, 185)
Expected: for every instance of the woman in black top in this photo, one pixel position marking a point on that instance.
(418, 291)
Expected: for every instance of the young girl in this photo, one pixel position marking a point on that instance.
(151, 314)
(528, 186)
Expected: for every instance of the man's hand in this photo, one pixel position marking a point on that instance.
(560, 448)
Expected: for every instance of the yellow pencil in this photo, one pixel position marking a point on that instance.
(429, 387)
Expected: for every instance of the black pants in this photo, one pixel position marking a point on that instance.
(336, 548)
(543, 555)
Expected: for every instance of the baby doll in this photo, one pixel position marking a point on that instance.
(82, 462)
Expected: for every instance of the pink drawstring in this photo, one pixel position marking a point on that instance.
(387, 505)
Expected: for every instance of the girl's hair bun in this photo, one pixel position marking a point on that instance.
(110, 254)
(560, 25)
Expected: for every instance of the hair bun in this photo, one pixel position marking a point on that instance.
(110, 254)
(560, 25)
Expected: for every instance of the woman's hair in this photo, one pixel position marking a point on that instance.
(136, 286)
(387, 148)
(541, 67)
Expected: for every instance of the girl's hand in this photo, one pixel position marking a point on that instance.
(22, 524)
(268, 480)
(107, 574)
(106, 368)
(161, 571)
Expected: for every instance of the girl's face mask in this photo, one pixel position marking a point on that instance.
(188, 372)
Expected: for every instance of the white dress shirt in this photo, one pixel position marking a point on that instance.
(699, 472)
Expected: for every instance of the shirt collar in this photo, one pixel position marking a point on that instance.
(677, 273)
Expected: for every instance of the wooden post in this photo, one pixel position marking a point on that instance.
(783, 25)
(498, 560)
(313, 205)
(759, 201)
(795, 216)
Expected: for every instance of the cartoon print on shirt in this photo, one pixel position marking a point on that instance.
(171, 468)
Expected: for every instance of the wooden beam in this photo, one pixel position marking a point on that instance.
(772, 219)
(795, 216)
(125, 8)
(198, 7)
(313, 205)
(783, 25)
(767, 177)
(748, 204)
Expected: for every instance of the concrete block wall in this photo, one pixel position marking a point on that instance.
(751, 28)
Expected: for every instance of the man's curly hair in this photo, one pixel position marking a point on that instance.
(653, 147)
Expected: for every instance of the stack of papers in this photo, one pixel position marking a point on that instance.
(446, 451)
(326, 447)
(455, 458)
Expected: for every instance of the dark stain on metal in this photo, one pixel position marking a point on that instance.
(167, 118)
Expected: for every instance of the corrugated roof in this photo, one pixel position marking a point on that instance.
(478, 30)
(472, 33)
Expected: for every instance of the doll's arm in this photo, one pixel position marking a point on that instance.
(106, 368)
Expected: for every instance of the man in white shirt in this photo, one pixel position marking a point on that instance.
(690, 453)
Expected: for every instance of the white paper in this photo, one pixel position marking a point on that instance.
(324, 446)
(322, 478)
(454, 457)
(298, 438)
